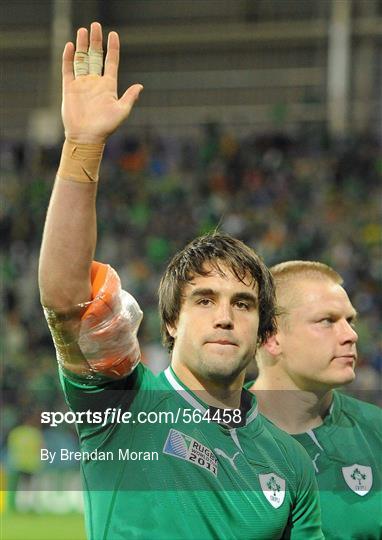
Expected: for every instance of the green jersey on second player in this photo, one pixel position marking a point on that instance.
(186, 477)
(346, 454)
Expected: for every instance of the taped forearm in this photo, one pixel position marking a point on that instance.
(97, 340)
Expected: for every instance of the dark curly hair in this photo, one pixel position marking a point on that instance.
(215, 249)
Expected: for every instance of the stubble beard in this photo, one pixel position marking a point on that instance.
(221, 369)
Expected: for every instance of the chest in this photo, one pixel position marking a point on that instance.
(348, 474)
(212, 476)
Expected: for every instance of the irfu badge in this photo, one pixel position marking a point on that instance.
(273, 488)
(359, 478)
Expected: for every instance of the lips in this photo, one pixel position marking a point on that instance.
(222, 342)
(347, 358)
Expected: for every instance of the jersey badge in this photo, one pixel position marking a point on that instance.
(183, 446)
(359, 478)
(273, 488)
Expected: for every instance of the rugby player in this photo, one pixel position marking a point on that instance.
(313, 353)
(218, 469)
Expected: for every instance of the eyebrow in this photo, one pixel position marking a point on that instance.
(352, 317)
(249, 297)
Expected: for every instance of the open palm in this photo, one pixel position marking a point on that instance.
(91, 110)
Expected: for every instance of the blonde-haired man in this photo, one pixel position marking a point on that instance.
(312, 353)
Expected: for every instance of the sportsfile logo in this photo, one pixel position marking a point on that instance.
(183, 446)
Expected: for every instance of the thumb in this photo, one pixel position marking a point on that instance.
(130, 96)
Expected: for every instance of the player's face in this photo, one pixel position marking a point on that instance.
(216, 333)
(318, 341)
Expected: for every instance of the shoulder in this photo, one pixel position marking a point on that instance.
(290, 446)
(361, 412)
(293, 460)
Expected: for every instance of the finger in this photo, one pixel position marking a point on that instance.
(130, 97)
(82, 43)
(95, 49)
(81, 59)
(67, 64)
(96, 36)
(112, 56)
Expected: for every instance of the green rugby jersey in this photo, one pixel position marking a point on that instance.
(346, 453)
(207, 481)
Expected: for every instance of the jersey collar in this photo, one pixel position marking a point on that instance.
(334, 410)
(330, 421)
(184, 392)
(193, 400)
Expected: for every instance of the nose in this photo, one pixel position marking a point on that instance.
(348, 334)
(223, 316)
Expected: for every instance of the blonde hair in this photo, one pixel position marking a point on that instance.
(286, 276)
(304, 269)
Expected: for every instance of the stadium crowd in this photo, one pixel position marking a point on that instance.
(300, 198)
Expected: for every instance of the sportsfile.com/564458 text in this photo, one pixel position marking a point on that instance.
(114, 415)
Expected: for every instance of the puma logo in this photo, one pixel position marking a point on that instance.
(224, 455)
(314, 462)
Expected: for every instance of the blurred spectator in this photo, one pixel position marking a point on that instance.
(289, 199)
(24, 444)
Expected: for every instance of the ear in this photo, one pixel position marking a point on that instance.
(171, 329)
(272, 345)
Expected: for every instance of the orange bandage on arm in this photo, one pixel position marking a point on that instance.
(109, 325)
(98, 340)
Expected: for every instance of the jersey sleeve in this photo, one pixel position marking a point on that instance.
(97, 341)
(82, 397)
(99, 408)
(305, 520)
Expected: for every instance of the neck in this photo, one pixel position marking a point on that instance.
(290, 408)
(222, 394)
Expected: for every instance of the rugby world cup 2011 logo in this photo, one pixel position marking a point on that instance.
(273, 488)
(184, 447)
(359, 478)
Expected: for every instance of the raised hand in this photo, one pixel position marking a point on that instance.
(91, 110)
